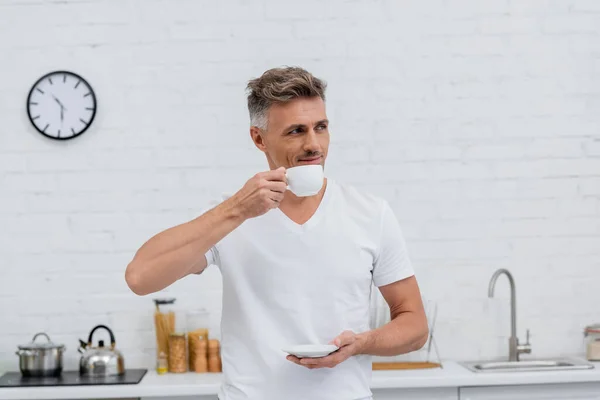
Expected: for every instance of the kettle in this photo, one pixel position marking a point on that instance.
(100, 360)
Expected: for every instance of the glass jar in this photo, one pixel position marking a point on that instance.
(164, 324)
(592, 343)
(162, 364)
(214, 356)
(197, 319)
(177, 353)
(168, 321)
(197, 333)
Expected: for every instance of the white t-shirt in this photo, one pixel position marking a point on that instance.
(287, 284)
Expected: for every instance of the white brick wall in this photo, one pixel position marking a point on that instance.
(478, 120)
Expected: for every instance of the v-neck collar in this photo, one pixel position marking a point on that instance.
(315, 218)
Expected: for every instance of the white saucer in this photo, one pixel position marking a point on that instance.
(311, 350)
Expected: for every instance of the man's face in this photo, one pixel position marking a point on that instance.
(297, 134)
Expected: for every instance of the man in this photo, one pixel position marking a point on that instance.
(296, 270)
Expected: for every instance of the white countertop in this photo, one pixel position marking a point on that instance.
(189, 384)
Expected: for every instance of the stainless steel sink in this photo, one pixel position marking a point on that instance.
(515, 349)
(530, 365)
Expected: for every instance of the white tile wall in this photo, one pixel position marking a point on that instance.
(478, 120)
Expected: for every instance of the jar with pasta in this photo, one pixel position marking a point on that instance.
(168, 320)
(164, 324)
(177, 353)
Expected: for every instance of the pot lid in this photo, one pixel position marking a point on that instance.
(41, 345)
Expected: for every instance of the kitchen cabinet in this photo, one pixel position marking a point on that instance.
(378, 394)
(562, 391)
(453, 382)
(206, 397)
(416, 394)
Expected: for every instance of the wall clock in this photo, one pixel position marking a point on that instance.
(61, 105)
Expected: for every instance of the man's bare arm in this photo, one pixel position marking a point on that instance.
(407, 331)
(179, 251)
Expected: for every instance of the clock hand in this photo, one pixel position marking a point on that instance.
(59, 103)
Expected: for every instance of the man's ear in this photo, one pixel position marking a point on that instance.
(257, 137)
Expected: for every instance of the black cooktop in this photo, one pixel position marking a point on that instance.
(72, 378)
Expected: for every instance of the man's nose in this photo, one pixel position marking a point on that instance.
(311, 143)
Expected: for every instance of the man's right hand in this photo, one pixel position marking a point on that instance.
(261, 193)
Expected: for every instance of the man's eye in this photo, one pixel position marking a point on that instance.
(321, 127)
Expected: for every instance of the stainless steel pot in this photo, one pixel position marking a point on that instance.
(41, 359)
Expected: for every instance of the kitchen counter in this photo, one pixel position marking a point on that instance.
(455, 375)
(192, 384)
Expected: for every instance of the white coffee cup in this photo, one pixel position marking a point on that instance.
(305, 180)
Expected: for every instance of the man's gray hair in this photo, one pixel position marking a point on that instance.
(279, 85)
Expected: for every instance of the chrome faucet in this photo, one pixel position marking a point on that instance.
(514, 348)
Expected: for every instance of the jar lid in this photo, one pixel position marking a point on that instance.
(595, 328)
(164, 301)
(40, 345)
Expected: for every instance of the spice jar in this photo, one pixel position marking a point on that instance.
(162, 364)
(198, 352)
(197, 334)
(214, 356)
(592, 335)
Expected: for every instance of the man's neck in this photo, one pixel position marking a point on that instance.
(300, 209)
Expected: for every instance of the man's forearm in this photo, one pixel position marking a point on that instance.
(206, 230)
(178, 251)
(405, 333)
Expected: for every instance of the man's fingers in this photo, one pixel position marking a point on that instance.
(293, 359)
(345, 343)
(276, 197)
(276, 186)
(312, 363)
(344, 339)
(298, 361)
(274, 174)
(329, 361)
(319, 364)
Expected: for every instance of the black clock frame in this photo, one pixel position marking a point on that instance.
(93, 94)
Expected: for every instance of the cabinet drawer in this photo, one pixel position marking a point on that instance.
(563, 391)
(416, 394)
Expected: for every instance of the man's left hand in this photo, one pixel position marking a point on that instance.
(348, 344)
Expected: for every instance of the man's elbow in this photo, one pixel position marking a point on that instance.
(134, 280)
(423, 339)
